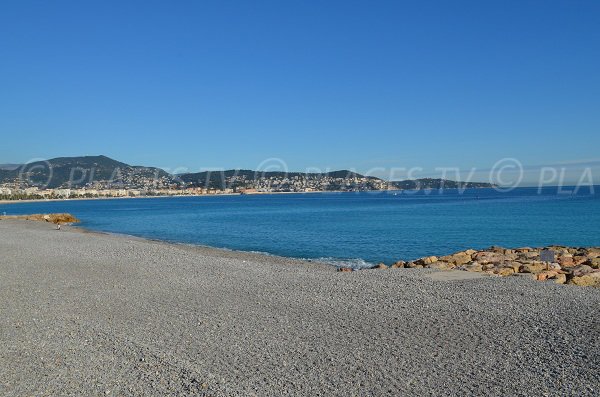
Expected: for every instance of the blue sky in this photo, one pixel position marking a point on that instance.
(337, 84)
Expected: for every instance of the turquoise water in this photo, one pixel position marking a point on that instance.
(349, 227)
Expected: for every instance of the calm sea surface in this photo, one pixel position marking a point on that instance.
(349, 227)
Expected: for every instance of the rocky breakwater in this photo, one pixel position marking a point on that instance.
(571, 265)
(52, 218)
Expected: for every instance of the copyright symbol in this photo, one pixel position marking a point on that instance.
(32, 173)
(506, 174)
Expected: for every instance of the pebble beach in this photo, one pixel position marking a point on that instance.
(93, 314)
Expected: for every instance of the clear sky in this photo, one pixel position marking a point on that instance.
(328, 84)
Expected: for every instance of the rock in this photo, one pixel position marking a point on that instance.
(505, 271)
(460, 258)
(488, 257)
(428, 260)
(588, 280)
(566, 260)
(546, 274)
(344, 269)
(593, 263)
(53, 218)
(529, 255)
(593, 252)
(380, 266)
(440, 265)
(560, 278)
(556, 248)
(473, 267)
(579, 259)
(555, 266)
(514, 265)
(582, 270)
(470, 252)
(524, 249)
(398, 265)
(532, 268)
(511, 256)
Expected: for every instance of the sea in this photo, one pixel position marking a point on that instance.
(354, 229)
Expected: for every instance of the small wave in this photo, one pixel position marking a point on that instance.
(354, 263)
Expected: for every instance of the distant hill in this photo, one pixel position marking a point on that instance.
(433, 183)
(104, 172)
(239, 178)
(81, 171)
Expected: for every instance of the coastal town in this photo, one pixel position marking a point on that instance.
(232, 185)
(102, 177)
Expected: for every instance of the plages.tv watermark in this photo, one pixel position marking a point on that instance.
(274, 174)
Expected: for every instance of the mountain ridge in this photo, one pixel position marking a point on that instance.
(78, 171)
(86, 171)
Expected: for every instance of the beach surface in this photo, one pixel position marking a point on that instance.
(93, 314)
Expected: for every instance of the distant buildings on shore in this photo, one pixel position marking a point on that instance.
(233, 185)
(33, 193)
(100, 176)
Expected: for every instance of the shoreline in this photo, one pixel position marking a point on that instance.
(563, 271)
(232, 194)
(333, 265)
(203, 249)
(569, 265)
(494, 260)
(390, 191)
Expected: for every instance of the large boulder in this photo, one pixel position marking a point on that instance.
(593, 252)
(473, 267)
(546, 274)
(560, 278)
(579, 259)
(514, 265)
(428, 260)
(398, 265)
(380, 266)
(458, 259)
(440, 265)
(529, 255)
(488, 257)
(588, 280)
(505, 271)
(582, 270)
(566, 260)
(532, 268)
(593, 263)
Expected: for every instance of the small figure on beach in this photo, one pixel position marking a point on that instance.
(58, 226)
